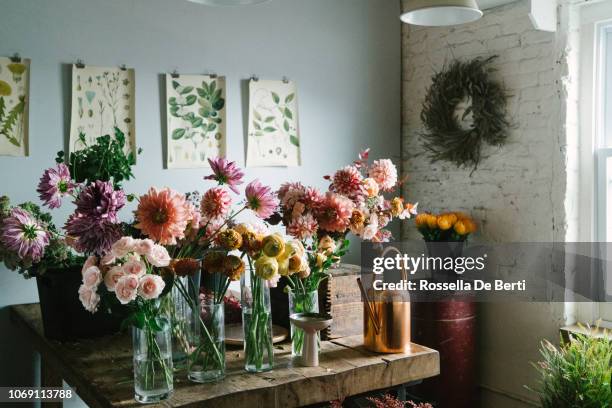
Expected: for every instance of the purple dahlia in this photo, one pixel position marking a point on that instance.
(24, 235)
(54, 184)
(92, 234)
(100, 200)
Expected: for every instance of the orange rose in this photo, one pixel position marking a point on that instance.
(421, 220)
(444, 222)
(432, 221)
(460, 228)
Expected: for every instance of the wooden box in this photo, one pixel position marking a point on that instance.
(339, 296)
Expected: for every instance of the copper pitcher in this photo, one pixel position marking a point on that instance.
(386, 320)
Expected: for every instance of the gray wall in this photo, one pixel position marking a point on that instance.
(343, 54)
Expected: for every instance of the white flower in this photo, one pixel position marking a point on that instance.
(158, 256)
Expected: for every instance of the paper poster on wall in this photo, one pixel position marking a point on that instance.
(195, 120)
(14, 106)
(102, 99)
(273, 131)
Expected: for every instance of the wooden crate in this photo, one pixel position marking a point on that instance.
(339, 296)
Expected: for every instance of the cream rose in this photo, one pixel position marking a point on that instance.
(151, 286)
(126, 289)
(122, 247)
(158, 256)
(91, 261)
(89, 298)
(143, 246)
(112, 277)
(92, 277)
(108, 259)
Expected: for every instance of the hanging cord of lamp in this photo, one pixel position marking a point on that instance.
(440, 12)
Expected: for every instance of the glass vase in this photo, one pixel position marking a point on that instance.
(206, 360)
(153, 379)
(256, 323)
(177, 307)
(301, 303)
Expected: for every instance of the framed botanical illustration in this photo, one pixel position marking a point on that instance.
(14, 106)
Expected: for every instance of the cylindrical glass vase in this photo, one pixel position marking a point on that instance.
(206, 359)
(301, 303)
(256, 323)
(153, 378)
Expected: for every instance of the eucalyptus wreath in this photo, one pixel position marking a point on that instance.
(444, 138)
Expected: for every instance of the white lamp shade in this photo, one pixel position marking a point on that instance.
(441, 12)
(227, 2)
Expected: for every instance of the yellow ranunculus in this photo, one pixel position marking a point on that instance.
(273, 245)
(283, 267)
(230, 239)
(266, 267)
(296, 263)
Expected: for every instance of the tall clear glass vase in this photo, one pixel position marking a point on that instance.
(256, 323)
(300, 302)
(206, 359)
(153, 378)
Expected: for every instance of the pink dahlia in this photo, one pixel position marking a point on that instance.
(100, 200)
(92, 235)
(216, 203)
(23, 234)
(313, 198)
(225, 172)
(349, 182)
(303, 227)
(54, 184)
(384, 172)
(163, 215)
(334, 213)
(260, 199)
(290, 193)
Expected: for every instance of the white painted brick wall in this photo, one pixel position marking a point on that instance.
(518, 193)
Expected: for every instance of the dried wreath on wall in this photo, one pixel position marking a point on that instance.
(463, 109)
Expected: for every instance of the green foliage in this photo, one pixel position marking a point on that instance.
(577, 374)
(8, 121)
(444, 138)
(106, 160)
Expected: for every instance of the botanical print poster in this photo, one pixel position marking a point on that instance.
(196, 119)
(14, 101)
(274, 136)
(102, 99)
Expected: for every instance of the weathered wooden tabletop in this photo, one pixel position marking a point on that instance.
(100, 371)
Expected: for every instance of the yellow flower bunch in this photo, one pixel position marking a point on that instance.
(282, 258)
(449, 226)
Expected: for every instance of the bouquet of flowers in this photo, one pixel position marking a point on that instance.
(354, 203)
(445, 227)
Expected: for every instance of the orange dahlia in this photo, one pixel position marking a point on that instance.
(163, 215)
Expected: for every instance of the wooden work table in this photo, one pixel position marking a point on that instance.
(100, 371)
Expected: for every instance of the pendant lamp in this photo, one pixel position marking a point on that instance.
(440, 12)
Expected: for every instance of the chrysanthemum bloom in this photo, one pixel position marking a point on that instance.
(349, 182)
(100, 200)
(23, 234)
(335, 212)
(216, 203)
(225, 172)
(384, 172)
(260, 199)
(313, 198)
(91, 234)
(303, 227)
(163, 215)
(54, 184)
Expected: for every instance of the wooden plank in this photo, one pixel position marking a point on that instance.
(49, 378)
(100, 371)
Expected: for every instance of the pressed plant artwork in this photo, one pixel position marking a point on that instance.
(195, 120)
(102, 101)
(14, 95)
(274, 136)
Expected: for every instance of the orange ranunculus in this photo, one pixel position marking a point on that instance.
(432, 221)
(460, 228)
(444, 222)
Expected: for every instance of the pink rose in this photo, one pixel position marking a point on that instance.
(108, 259)
(151, 286)
(158, 256)
(91, 261)
(112, 277)
(122, 247)
(89, 298)
(134, 266)
(126, 289)
(143, 246)
(92, 277)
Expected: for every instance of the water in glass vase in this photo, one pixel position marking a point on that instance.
(258, 350)
(153, 376)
